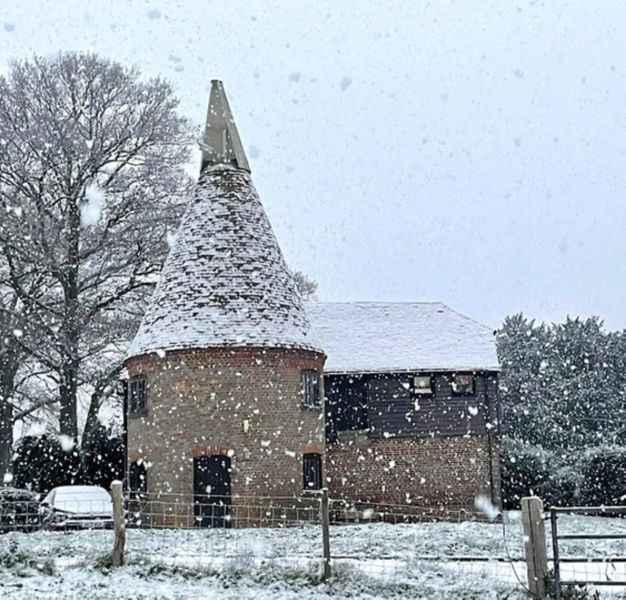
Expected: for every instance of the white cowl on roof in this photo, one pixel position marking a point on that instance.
(225, 282)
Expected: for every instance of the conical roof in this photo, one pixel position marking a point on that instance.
(225, 282)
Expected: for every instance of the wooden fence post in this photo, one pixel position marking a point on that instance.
(535, 545)
(119, 524)
(325, 519)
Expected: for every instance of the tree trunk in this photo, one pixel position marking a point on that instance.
(6, 438)
(8, 370)
(92, 418)
(103, 388)
(68, 390)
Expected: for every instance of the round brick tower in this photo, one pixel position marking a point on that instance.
(224, 390)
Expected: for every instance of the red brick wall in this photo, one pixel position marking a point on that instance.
(198, 402)
(437, 472)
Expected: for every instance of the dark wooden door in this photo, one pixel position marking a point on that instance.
(211, 491)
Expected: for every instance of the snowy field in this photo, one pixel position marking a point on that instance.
(429, 560)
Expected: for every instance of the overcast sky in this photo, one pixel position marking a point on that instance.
(473, 153)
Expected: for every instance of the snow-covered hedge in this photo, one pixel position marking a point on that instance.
(596, 476)
(604, 476)
(524, 470)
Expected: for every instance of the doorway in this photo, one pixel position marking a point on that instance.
(211, 491)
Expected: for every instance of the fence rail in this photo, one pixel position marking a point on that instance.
(560, 582)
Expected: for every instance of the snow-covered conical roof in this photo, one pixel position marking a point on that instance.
(225, 282)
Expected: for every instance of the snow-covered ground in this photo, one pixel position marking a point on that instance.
(428, 560)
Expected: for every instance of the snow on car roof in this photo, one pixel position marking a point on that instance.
(79, 490)
(82, 499)
(368, 337)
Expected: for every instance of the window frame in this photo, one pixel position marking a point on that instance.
(312, 463)
(310, 379)
(421, 392)
(136, 407)
(470, 392)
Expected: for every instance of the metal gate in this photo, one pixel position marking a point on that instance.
(598, 569)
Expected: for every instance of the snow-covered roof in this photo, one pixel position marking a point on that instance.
(367, 337)
(225, 281)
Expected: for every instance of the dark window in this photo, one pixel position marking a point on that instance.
(311, 388)
(137, 402)
(349, 408)
(463, 384)
(312, 471)
(137, 478)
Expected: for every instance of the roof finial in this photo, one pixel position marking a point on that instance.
(221, 144)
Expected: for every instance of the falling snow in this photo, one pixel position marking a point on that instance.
(173, 296)
(345, 82)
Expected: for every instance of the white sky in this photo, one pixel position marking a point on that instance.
(469, 152)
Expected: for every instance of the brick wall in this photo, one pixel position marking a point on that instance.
(434, 472)
(244, 402)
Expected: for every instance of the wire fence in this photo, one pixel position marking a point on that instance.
(186, 511)
(394, 546)
(398, 545)
(389, 544)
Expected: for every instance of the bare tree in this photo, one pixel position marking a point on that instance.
(306, 286)
(10, 357)
(15, 370)
(91, 179)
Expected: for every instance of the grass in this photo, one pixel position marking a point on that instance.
(261, 564)
(23, 563)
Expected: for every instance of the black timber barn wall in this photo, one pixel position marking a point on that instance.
(386, 406)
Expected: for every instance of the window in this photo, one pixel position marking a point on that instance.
(346, 400)
(312, 471)
(310, 388)
(463, 383)
(137, 478)
(423, 384)
(137, 402)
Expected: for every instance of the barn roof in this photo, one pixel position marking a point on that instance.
(225, 282)
(368, 337)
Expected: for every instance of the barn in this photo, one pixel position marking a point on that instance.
(228, 395)
(412, 406)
